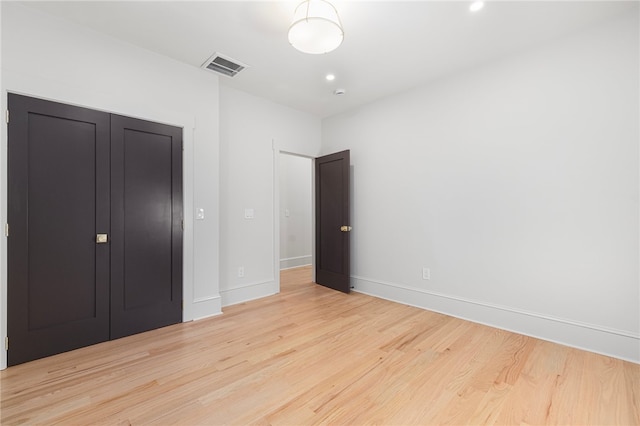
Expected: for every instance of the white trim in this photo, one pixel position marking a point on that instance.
(276, 213)
(250, 291)
(206, 307)
(295, 262)
(306, 256)
(594, 338)
(247, 285)
(205, 299)
(506, 308)
(188, 258)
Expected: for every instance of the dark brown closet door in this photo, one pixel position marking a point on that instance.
(58, 200)
(146, 222)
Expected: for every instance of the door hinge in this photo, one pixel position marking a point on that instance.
(6, 229)
(7, 116)
(182, 224)
(6, 343)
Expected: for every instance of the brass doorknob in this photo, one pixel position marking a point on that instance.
(102, 238)
(345, 228)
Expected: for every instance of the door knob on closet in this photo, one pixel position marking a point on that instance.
(102, 238)
(345, 228)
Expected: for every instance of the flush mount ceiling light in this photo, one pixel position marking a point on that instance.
(316, 27)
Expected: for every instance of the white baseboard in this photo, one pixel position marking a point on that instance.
(593, 338)
(294, 262)
(205, 307)
(248, 292)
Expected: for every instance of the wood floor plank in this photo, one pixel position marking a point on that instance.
(310, 355)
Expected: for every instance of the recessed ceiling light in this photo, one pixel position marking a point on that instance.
(476, 6)
(330, 77)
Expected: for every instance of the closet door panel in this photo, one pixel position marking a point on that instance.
(146, 215)
(58, 201)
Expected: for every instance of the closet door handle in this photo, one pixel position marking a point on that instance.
(102, 238)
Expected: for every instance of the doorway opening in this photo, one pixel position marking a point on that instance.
(295, 214)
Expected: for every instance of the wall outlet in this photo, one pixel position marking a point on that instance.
(241, 272)
(426, 274)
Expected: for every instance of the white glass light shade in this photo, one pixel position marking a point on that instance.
(316, 27)
(476, 6)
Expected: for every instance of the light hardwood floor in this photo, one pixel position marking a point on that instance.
(311, 355)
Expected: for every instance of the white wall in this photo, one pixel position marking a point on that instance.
(253, 132)
(295, 211)
(516, 183)
(48, 58)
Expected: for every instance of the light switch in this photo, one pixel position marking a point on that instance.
(248, 213)
(200, 214)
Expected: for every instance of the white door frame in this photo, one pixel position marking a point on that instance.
(276, 211)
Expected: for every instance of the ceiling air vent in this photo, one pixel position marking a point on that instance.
(223, 65)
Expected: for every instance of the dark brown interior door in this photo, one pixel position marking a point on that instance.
(146, 221)
(58, 200)
(333, 261)
(75, 173)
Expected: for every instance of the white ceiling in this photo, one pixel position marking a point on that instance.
(389, 46)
